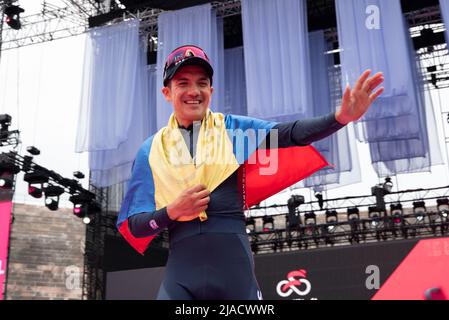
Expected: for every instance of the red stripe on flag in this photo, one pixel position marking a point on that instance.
(140, 244)
(287, 166)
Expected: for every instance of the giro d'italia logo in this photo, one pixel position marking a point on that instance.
(296, 284)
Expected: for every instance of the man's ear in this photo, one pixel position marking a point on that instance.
(167, 93)
(211, 90)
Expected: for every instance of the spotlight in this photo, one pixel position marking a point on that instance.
(268, 223)
(295, 201)
(331, 216)
(310, 218)
(375, 215)
(86, 220)
(443, 205)
(330, 227)
(51, 204)
(52, 194)
(250, 225)
(398, 222)
(35, 191)
(419, 210)
(79, 210)
(5, 120)
(396, 213)
(80, 202)
(354, 219)
(353, 214)
(35, 181)
(6, 183)
(443, 211)
(33, 150)
(78, 175)
(294, 219)
(13, 16)
(388, 185)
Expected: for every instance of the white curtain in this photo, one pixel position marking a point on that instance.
(277, 61)
(444, 8)
(235, 84)
(117, 111)
(197, 26)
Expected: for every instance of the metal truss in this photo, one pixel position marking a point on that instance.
(55, 22)
(345, 231)
(148, 17)
(356, 231)
(362, 202)
(52, 23)
(94, 276)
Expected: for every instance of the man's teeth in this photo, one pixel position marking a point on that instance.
(193, 102)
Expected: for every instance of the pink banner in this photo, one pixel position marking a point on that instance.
(5, 224)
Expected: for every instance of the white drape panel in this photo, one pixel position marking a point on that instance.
(235, 84)
(118, 102)
(277, 61)
(108, 97)
(197, 26)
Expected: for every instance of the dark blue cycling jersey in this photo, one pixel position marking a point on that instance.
(214, 260)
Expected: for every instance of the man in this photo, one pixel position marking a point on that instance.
(197, 175)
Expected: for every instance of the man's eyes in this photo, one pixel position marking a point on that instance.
(201, 84)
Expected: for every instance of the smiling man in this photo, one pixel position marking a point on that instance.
(202, 202)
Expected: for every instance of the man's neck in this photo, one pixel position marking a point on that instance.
(187, 123)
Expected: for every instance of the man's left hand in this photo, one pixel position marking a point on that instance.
(357, 101)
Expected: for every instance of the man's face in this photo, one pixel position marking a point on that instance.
(189, 92)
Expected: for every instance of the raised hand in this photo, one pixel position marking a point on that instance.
(357, 101)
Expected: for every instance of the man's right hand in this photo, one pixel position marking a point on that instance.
(189, 203)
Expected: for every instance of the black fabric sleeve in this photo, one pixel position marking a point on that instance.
(149, 223)
(304, 132)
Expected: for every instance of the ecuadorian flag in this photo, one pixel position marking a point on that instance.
(164, 167)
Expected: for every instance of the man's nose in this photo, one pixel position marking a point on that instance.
(193, 91)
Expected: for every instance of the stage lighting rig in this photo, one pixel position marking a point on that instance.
(12, 13)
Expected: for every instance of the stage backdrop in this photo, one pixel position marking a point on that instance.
(5, 224)
(408, 269)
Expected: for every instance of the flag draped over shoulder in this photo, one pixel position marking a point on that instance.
(164, 167)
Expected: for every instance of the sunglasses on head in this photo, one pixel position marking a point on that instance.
(183, 53)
